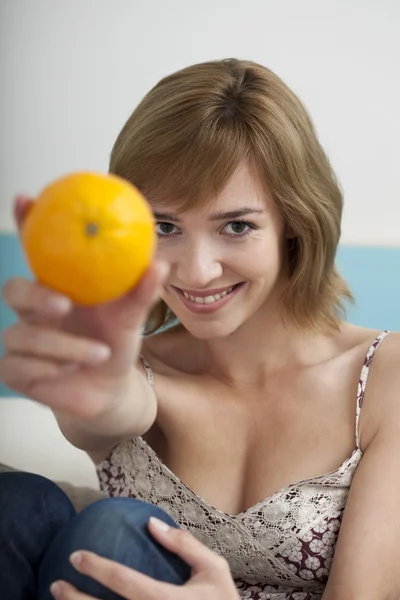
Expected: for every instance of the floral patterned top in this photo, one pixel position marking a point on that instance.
(279, 549)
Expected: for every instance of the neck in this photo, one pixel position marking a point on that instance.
(265, 345)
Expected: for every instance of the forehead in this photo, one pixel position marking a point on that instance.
(243, 190)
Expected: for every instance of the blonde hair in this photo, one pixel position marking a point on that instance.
(190, 133)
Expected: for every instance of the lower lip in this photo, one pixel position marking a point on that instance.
(206, 309)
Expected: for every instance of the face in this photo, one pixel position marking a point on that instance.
(226, 260)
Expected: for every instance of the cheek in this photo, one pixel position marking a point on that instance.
(166, 253)
(161, 250)
(261, 261)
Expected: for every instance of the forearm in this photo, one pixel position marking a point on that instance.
(131, 414)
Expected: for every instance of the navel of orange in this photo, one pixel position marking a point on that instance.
(89, 236)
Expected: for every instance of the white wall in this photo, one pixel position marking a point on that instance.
(71, 71)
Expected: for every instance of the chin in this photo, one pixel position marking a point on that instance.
(218, 329)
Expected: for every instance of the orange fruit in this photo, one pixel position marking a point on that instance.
(89, 236)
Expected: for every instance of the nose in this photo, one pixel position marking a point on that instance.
(198, 266)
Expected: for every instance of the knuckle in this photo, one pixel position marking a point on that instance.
(40, 341)
(22, 294)
(43, 340)
(9, 372)
(13, 337)
(21, 374)
(7, 290)
(7, 337)
(32, 339)
(16, 288)
(181, 538)
(116, 578)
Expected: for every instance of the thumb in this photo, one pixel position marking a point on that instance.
(133, 308)
(123, 320)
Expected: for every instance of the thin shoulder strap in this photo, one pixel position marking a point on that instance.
(362, 383)
(149, 372)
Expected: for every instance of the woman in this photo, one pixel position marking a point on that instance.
(243, 415)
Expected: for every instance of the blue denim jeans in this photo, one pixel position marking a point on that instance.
(39, 529)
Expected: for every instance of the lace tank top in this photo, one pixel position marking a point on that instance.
(278, 549)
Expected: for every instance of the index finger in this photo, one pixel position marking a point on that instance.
(23, 295)
(126, 582)
(196, 554)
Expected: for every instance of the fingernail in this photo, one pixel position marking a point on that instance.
(55, 590)
(100, 353)
(76, 559)
(160, 525)
(60, 304)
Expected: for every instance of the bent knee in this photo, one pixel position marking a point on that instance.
(32, 503)
(115, 528)
(107, 521)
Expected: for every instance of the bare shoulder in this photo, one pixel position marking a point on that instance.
(385, 370)
(382, 398)
(363, 339)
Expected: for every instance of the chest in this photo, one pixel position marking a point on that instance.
(235, 448)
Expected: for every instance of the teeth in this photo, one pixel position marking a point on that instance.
(208, 299)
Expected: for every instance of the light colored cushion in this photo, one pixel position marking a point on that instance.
(30, 440)
(79, 496)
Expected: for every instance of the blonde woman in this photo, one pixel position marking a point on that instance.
(226, 395)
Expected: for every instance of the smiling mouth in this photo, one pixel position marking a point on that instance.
(212, 297)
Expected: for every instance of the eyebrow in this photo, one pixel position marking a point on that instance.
(220, 216)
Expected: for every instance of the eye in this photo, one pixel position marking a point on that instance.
(165, 229)
(239, 228)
